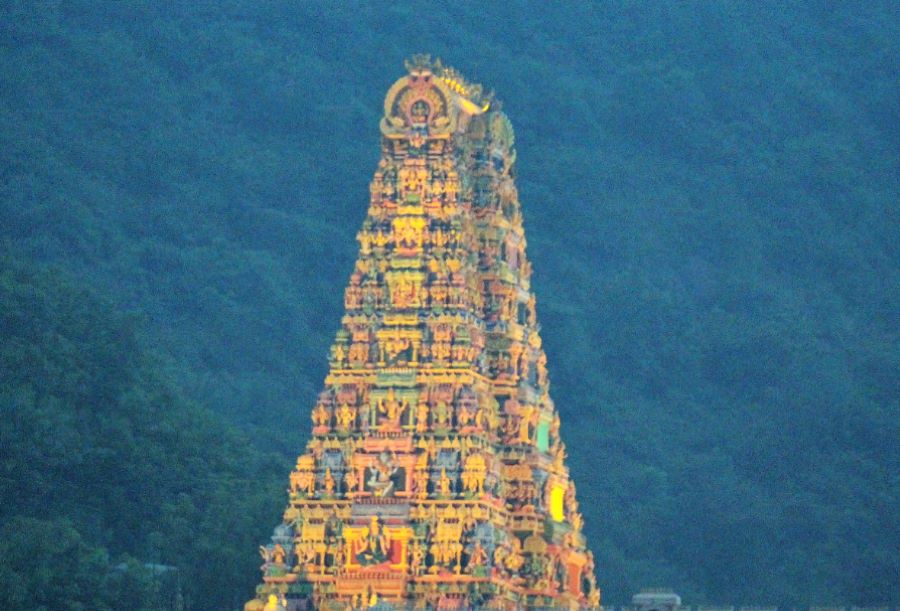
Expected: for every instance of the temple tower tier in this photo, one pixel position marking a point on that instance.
(435, 476)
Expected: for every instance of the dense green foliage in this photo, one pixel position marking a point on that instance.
(101, 459)
(710, 191)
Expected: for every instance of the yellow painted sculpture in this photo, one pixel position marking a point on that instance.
(435, 475)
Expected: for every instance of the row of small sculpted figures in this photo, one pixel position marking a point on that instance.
(415, 290)
(515, 361)
(411, 238)
(411, 242)
(437, 290)
(434, 290)
(395, 415)
(390, 345)
(413, 330)
(403, 295)
(465, 556)
(438, 485)
(396, 181)
(407, 234)
(520, 429)
(446, 210)
(442, 410)
(392, 351)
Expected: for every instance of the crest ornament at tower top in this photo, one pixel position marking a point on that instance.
(420, 62)
(435, 475)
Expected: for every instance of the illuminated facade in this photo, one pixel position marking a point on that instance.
(435, 476)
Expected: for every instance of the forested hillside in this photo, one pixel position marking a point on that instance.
(105, 468)
(711, 197)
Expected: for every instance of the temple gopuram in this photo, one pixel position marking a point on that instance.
(435, 476)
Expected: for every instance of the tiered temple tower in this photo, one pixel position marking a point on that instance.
(435, 476)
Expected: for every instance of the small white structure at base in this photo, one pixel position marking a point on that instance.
(656, 599)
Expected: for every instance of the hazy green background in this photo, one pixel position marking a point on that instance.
(711, 198)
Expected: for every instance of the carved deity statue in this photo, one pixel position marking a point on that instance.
(477, 557)
(374, 545)
(392, 409)
(525, 422)
(422, 411)
(417, 558)
(441, 413)
(474, 473)
(380, 481)
(320, 415)
(278, 554)
(351, 481)
(328, 481)
(444, 483)
(346, 415)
